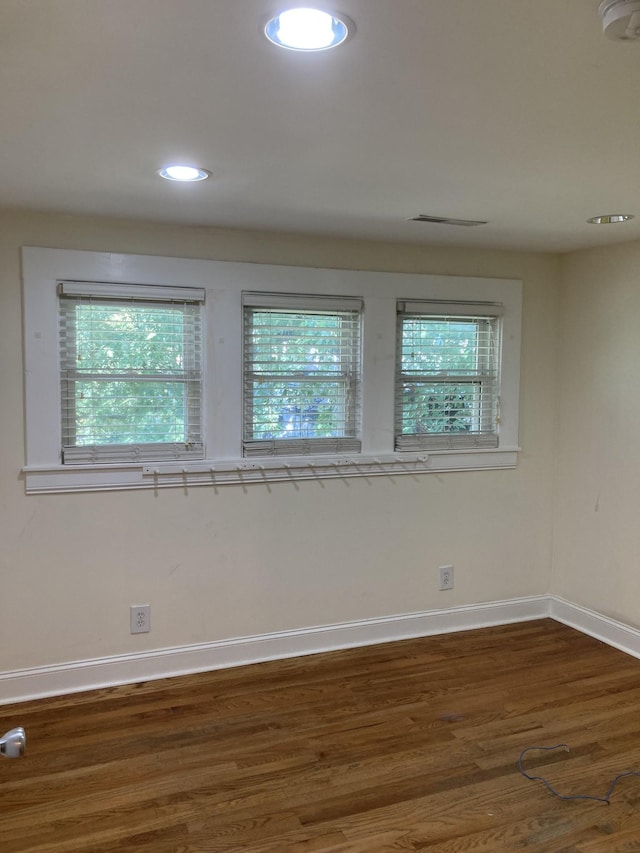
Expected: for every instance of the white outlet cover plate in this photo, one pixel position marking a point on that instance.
(140, 618)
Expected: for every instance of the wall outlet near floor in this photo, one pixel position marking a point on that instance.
(140, 618)
(445, 576)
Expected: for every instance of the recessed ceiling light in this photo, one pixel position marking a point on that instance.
(620, 19)
(610, 218)
(187, 174)
(308, 29)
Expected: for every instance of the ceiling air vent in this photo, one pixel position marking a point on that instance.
(445, 220)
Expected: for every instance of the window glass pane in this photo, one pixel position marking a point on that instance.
(299, 410)
(440, 407)
(129, 412)
(301, 374)
(286, 342)
(129, 338)
(434, 346)
(447, 380)
(130, 372)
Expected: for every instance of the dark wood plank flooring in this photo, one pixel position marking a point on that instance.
(409, 746)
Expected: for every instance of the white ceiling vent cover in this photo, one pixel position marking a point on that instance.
(445, 220)
(620, 19)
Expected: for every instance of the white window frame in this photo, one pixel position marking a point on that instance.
(189, 302)
(224, 283)
(349, 376)
(485, 375)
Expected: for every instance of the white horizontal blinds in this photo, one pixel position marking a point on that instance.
(447, 376)
(130, 373)
(301, 391)
(150, 292)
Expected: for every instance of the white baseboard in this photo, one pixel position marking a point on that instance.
(76, 676)
(626, 638)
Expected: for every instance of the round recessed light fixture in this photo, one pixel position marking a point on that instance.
(620, 19)
(610, 218)
(308, 29)
(184, 174)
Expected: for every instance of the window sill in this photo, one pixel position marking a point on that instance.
(244, 472)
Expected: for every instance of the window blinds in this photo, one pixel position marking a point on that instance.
(447, 376)
(301, 391)
(130, 372)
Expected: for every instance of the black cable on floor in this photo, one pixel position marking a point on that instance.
(607, 797)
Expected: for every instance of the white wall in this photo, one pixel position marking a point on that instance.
(231, 563)
(597, 518)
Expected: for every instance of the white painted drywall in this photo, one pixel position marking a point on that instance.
(233, 563)
(597, 516)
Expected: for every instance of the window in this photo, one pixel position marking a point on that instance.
(447, 376)
(130, 373)
(223, 373)
(301, 375)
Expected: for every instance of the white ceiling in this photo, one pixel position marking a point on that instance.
(519, 112)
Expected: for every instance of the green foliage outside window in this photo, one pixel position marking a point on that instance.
(126, 380)
(437, 408)
(435, 352)
(300, 375)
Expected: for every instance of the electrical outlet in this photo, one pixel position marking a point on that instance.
(140, 618)
(446, 577)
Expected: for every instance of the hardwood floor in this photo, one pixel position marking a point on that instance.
(409, 746)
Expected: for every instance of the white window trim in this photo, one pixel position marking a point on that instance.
(224, 283)
(489, 408)
(349, 308)
(187, 300)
